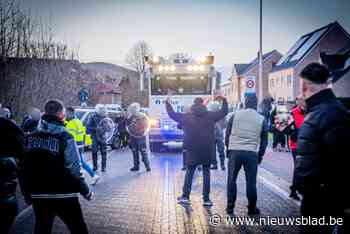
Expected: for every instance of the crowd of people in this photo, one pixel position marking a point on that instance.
(45, 153)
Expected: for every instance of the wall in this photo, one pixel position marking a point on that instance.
(267, 67)
(342, 87)
(281, 88)
(26, 83)
(331, 43)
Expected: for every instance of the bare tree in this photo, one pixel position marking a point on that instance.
(136, 56)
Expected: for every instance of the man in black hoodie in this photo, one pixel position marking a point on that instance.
(11, 152)
(199, 142)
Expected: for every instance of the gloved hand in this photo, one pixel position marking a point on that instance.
(89, 196)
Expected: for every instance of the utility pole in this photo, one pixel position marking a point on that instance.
(260, 97)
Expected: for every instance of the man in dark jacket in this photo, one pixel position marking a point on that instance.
(91, 128)
(11, 152)
(246, 141)
(199, 142)
(51, 173)
(137, 125)
(322, 163)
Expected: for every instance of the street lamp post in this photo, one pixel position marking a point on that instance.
(260, 58)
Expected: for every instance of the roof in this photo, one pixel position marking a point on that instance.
(107, 88)
(339, 73)
(302, 46)
(242, 68)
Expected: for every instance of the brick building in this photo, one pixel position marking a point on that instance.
(241, 71)
(284, 82)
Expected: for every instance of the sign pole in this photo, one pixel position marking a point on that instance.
(260, 91)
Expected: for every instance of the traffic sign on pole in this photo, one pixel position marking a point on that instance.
(250, 85)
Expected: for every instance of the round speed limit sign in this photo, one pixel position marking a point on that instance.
(250, 84)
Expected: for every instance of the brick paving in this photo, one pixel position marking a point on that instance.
(142, 202)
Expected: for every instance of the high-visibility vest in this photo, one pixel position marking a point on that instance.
(76, 128)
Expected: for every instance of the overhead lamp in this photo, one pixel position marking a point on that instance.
(189, 68)
(201, 67)
(195, 68)
(172, 68)
(155, 59)
(160, 68)
(166, 68)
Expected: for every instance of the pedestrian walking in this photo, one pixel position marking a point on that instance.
(96, 127)
(137, 124)
(219, 138)
(11, 153)
(199, 140)
(322, 163)
(246, 141)
(51, 173)
(76, 128)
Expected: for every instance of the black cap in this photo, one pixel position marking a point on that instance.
(251, 101)
(316, 73)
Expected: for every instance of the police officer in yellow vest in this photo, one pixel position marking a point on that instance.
(76, 128)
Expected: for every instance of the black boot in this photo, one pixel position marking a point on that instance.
(134, 169)
(104, 161)
(253, 210)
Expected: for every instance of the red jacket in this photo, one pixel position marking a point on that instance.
(298, 116)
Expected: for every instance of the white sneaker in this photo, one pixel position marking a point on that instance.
(95, 179)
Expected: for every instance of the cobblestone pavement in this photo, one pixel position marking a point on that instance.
(145, 202)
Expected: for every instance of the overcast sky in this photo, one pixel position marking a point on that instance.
(106, 29)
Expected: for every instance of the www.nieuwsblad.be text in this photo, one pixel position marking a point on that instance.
(216, 220)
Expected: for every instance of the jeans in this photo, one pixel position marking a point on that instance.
(140, 148)
(220, 147)
(67, 209)
(8, 212)
(186, 190)
(96, 146)
(249, 161)
(84, 164)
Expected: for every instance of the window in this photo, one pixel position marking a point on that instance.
(277, 83)
(271, 82)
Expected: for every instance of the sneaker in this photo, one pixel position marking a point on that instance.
(183, 200)
(148, 169)
(95, 179)
(214, 167)
(183, 169)
(207, 202)
(253, 211)
(134, 169)
(294, 195)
